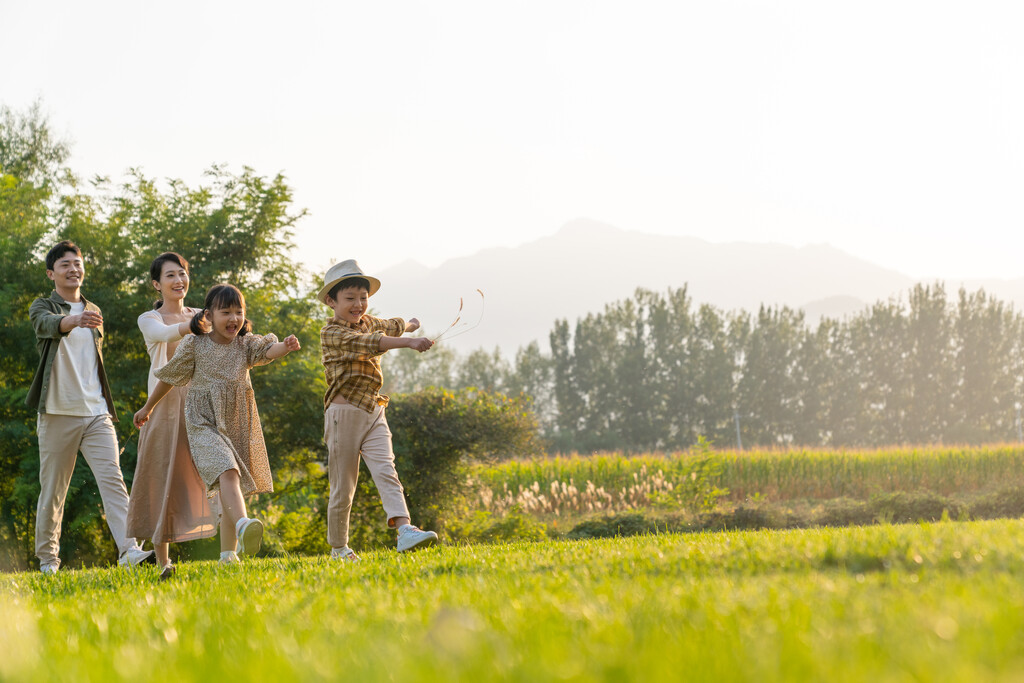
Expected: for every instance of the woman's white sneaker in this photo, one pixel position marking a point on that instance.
(411, 538)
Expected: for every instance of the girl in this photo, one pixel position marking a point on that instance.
(224, 429)
(168, 502)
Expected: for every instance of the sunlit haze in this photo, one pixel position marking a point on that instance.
(432, 130)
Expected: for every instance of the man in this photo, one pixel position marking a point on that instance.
(76, 411)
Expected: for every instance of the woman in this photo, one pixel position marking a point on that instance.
(168, 502)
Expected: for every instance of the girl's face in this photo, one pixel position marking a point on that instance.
(173, 282)
(226, 322)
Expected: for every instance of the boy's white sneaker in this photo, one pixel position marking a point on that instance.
(250, 536)
(345, 553)
(411, 538)
(49, 568)
(135, 556)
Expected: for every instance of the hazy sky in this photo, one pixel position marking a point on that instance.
(430, 130)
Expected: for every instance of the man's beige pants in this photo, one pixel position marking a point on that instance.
(350, 432)
(60, 439)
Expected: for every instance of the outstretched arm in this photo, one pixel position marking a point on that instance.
(87, 319)
(283, 348)
(142, 417)
(420, 344)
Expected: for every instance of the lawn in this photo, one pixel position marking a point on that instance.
(942, 601)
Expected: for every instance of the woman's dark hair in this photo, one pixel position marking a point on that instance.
(221, 296)
(157, 269)
(58, 250)
(348, 284)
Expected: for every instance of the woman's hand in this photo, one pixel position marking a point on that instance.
(141, 417)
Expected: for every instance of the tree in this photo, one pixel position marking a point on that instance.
(987, 348)
(31, 168)
(930, 367)
(767, 392)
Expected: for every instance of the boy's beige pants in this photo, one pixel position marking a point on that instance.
(350, 432)
(60, 439)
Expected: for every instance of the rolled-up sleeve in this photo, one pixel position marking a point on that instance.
(393, 327)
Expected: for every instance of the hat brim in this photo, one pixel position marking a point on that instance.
(322, 294)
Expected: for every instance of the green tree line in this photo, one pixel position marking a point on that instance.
(656, 372)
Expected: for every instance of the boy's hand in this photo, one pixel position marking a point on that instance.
(141, 417)
(420, 344)
(412, 325)
(291, 343)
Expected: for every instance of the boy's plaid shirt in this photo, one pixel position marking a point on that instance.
(351, 357)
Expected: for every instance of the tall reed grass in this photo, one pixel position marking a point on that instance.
(611, 482)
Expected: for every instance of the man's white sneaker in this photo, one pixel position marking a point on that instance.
(133, 557)
(411, 538)
(250, 536)
(346, 554)
(49, 568)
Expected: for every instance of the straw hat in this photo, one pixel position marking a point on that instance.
(346, 270)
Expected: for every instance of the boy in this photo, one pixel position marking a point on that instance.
(76, 411)
(352, 343)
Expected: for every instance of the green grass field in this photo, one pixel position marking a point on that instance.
(940, 601)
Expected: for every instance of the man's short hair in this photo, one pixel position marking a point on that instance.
(58, 250)
(348, 284)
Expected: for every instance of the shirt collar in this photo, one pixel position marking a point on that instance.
(61, 300)
(344, 323)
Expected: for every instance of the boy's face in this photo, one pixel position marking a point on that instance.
(68, 272)
(350, 305)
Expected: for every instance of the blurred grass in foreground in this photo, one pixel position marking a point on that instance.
(884, 603)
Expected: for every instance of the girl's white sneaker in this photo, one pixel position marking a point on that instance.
(250, 536)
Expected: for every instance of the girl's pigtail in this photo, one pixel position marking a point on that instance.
(158, 303)
(196, 324)
(246, 328)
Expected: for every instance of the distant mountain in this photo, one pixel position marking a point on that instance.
(588, 264)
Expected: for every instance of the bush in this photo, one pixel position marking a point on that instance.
(695, 490)
(623, 524)
(437, 432)
(752, 516)
(901, 507)
(845, 512)
(1005, 503)
(482, 527)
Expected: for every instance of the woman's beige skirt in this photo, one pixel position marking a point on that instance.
(169, 501)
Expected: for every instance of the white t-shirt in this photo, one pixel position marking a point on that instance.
(75, 374)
